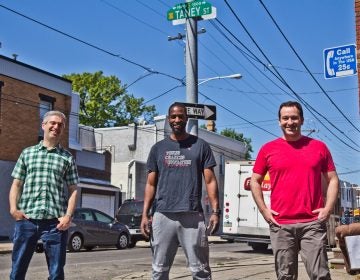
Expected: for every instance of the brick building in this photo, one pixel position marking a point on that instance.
(26, 94)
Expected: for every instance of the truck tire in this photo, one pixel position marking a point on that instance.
(258, 246)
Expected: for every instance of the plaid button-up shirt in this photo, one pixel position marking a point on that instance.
(44, 173)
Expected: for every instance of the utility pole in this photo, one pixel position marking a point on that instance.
(189, 13)
(191, 53)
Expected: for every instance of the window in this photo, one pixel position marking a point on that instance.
(46, 104)
(101, 217)
(84, 215)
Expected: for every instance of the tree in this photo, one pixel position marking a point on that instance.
(104, 102)
(231, 133)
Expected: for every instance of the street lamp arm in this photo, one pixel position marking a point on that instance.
(233, 76)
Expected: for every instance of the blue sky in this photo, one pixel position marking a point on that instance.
(130, 36)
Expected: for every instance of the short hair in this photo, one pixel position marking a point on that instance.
(54, 113)
(292, 104)
(177, 104)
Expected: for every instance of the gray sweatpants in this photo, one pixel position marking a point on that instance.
(188, 229)
(307, 238)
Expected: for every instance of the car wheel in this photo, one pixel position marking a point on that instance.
(123, 241)
(75, 243)
(39, 248)
(89, 248)
(132, 244)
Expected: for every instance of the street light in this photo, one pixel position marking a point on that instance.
(192, 126)
(233, 76)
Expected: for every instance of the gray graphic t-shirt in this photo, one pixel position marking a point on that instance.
(180, 166)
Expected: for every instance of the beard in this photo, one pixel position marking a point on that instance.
(178, 128)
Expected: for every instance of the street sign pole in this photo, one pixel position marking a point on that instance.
(191, 11)
(191, 70)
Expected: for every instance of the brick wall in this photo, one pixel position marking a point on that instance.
(20, 116)
(92, 173)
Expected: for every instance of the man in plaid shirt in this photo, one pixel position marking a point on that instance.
(38, 200)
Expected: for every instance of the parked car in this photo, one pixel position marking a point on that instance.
(129, 213)
(90, 228)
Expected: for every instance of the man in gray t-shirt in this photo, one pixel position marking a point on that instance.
(176, 166)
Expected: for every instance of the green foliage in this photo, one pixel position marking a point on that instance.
(203, 126)
(231, 133)
(104, 102)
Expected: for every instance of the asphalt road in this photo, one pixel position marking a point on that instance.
(228, 262)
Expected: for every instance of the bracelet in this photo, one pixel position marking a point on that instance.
(69, 215)
(216, 212)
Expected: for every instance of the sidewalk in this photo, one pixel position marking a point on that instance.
(5, 247)
(336, 274)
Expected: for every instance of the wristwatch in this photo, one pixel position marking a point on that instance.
(69, 215)
(216, 212)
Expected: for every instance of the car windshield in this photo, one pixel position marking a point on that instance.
(131, 208)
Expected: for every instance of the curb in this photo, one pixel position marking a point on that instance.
(6, 247)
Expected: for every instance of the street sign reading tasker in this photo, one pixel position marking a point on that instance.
(200, 111)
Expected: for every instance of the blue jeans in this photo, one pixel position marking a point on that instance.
(26, 235)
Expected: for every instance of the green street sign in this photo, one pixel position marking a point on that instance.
(192, 9)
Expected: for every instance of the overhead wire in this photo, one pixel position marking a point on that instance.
(170, 89)
(247, 56)
(283, 81)
(105, 51)
(150, 8)
(305, 66)
(36, 105)
(115, 55)
(213, 54)
(90, 44)
(238, 62)
(133, 17)
(237, 115)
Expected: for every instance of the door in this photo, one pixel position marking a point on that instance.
(238, 202)
(248, 211)
(85, 223)
(106, 232)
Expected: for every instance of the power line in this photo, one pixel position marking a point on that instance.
(305, 66)
(279, 77)
(283, 81)
(90, 44)
(133, 17)
(243, 80)
(237, 115)
(112, 54)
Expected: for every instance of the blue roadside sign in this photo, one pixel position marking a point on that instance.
(340, 61)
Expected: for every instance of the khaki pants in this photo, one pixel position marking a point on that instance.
(307, 238)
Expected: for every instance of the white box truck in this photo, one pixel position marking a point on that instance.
(242, 221)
